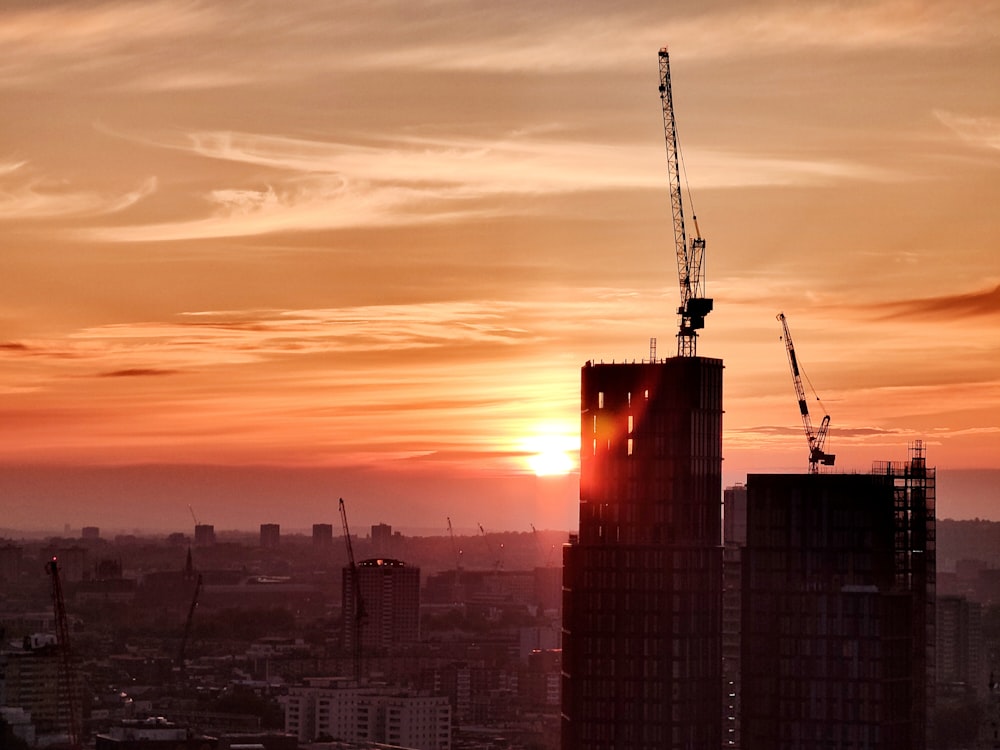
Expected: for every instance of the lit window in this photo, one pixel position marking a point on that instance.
(600, 399)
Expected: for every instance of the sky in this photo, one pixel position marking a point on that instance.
(258, 256)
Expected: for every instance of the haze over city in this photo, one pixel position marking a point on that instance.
(257, 257)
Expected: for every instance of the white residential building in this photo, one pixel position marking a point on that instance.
(341, 710)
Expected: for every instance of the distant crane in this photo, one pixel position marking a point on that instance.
(454, 548)
(816, 438)
(497, 557)
(187, 624)
(690, 258)
(457, 593)
(359, 602)
(538, 537)
(196, 522)
(67, 677)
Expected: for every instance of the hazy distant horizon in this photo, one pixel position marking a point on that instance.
(155, 499)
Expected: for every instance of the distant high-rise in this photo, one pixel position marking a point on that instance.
(322, 534)
(838, 608)
(90, 532)
(642, 582)
(961, 659)
(390, 596)
(382, 540)
(204, 534)
(270, 535)
(11, 558)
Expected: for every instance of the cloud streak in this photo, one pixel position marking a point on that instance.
(947, 308)
(978, 132)
(413, 181)
(25, 196)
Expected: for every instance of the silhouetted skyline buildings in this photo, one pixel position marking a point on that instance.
(642, 582)
(812, 626)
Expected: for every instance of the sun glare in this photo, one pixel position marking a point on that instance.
(551, 453)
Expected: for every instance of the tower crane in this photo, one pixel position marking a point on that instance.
(816, 438)
(67, 681)
(497, 557)
(690, 257)
(457, 588)
(359, 602)
(187, 624)
(454, 548)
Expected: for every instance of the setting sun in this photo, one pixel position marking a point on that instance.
(551, 453)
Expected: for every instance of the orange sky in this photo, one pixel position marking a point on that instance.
(369, 245)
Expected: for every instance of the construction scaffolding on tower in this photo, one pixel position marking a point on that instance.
(914, 506)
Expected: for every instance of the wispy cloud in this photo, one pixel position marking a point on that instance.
(49, 41)
(28, 195)
(410, 181)
(979, 132)
(597, 39)
(124, 44)
(948, 307)
(137, 372)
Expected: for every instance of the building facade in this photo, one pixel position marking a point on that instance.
(390, 596)
(270, 535)
(204, 534)
(961, 657)
(838, 609)
(322, 534)
(734, 537)
(642, 581)
(337, 709)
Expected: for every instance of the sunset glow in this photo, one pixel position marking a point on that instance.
(239, 242)
(552, 454)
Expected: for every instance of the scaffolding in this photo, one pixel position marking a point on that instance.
(914, 498)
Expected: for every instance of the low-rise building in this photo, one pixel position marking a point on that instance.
(340, 709)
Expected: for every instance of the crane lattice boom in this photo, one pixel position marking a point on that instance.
(67, 674)
(816, 438)
(359, 602)
(690, 257)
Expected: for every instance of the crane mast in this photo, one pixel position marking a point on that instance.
(187, 624)
(816, 438)
(359, 603)
(67, 676)
(690, 257)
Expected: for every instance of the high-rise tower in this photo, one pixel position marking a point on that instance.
(642, 582)
(838, 608)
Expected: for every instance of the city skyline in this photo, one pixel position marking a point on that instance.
(258, 258)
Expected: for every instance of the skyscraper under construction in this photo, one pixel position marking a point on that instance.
(838, 608)
(642, 582)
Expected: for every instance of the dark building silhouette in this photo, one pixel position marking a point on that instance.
(270, 535)
(838, 608)
(390, 595)
(204, 534)
(382, 540)
(960, 649)
(322, 534)
(734, 536)
(642, 582)
(11, 562)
